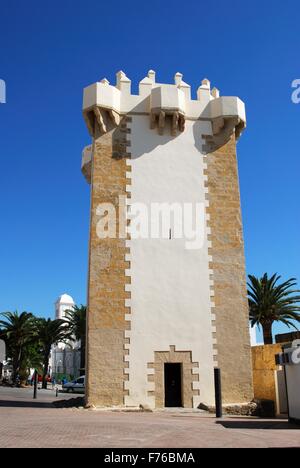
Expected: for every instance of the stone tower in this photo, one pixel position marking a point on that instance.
(164, 308)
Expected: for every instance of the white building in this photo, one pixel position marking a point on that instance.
(253, 338)
(65, 357)
(63, 303)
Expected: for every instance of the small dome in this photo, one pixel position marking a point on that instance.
(65, 299)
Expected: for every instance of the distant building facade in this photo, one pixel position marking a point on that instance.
(65, 357)
(253, 336)
(287, 337)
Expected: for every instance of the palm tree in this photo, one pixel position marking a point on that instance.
(33, 358)
(77, 323)
(18, 332)
(50, 332)
(271, 301)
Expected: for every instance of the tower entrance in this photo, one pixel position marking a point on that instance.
(173, 384)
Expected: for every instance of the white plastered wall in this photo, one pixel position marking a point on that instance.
(170, 286)
(293, 384)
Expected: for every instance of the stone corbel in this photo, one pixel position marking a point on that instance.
(100, 116)
(159, 117)
(101, 119)
(115, 117)
(89, 121)
(152, 120)
(222, 130)
(181, 122)
(227, 117)
(161, 122)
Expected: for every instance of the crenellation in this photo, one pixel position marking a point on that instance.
(151, 75)
(123, 83)
(178, 78)
(104, 104)
(215, 93)
(203, 92)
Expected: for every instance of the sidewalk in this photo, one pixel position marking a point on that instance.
(25, 422)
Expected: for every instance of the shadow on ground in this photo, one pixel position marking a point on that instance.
(25, 404)
(257, 424)
(67, 403)
(70, 403)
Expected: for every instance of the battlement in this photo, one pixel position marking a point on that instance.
(151, 94)
(158, 100)
(169, 106)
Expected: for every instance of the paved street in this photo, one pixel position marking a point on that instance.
(25, 422)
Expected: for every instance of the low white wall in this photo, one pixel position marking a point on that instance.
(293, 389)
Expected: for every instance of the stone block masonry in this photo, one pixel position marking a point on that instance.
(106, 322)
(232, 344)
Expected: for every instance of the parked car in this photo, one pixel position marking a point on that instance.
(76, 386)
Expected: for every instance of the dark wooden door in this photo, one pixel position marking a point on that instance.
(173, 387)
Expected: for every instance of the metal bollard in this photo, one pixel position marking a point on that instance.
(218, 392)
(35, 385)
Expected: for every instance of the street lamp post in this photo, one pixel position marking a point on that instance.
(35, 384)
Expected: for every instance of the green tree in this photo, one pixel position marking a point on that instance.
(33, 357)
(50, 332)
(18, 333)
(77, 323)
(271, 301)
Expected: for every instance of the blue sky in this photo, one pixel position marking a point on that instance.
(51, 50)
